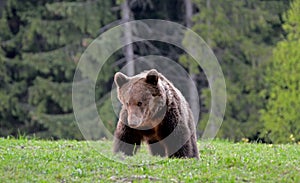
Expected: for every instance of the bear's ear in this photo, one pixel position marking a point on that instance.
(120, 79)
(152, 77)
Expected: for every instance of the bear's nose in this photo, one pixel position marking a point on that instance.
(133, 121)
(133, 124)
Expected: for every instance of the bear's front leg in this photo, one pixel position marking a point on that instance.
(181, 143)
(126, 140)
(186, 151)
(156, 148)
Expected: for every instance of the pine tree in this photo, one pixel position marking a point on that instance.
(281, 116)
(241, 34)
(41, 42)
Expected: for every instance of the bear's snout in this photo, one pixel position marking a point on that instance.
(134, 121)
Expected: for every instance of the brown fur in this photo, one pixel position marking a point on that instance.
(155, 112)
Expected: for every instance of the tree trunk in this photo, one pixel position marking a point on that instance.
(208, 22)
(188, 13)
(194, 103)
(213, 126)
(128, 49)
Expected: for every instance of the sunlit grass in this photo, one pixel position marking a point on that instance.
(23, 160)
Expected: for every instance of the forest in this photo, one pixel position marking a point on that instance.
(256, 43)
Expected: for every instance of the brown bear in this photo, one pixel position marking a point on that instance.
(155, 112)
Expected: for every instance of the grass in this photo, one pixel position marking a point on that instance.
(23, 160)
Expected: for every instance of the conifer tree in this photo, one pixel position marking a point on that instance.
(241, 34)
(41, 43)
(281, 116)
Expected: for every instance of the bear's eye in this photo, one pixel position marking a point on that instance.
(139, 104)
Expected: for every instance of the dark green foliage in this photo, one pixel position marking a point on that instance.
(41, 43)
(281, 116)
(241, 34)
(43, 40)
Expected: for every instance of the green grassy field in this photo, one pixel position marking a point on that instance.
(72, 161)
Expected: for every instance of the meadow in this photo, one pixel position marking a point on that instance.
(32, 160)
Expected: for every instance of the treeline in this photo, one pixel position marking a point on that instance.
(256, 42)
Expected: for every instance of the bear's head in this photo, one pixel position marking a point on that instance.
(143, 97)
